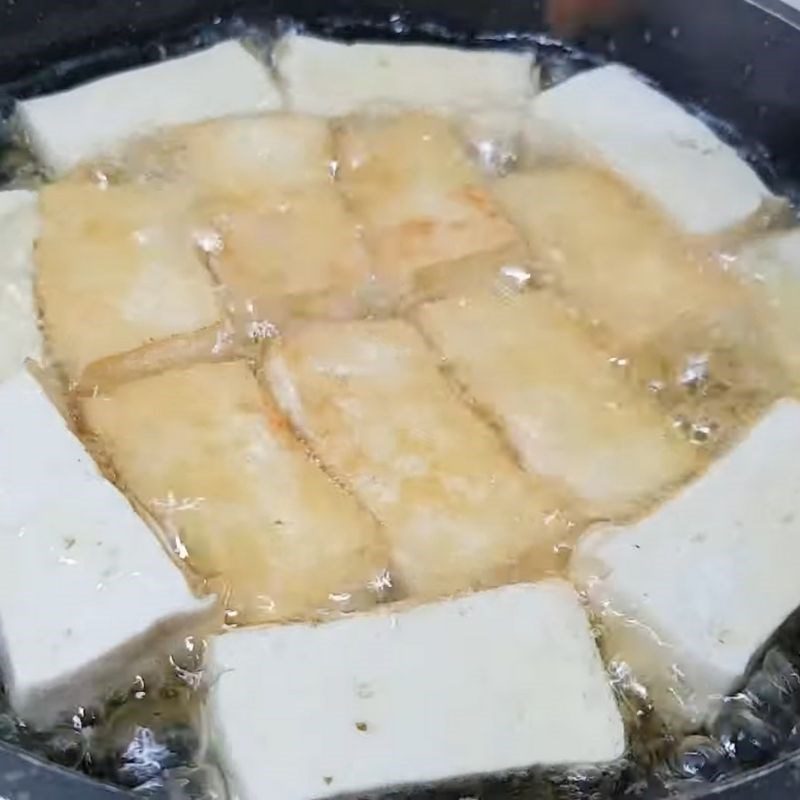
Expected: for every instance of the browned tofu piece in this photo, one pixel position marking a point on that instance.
(208, 455)
(458, 511)
(117, 269)
(563, 405)
(614, 259)
(422, 202)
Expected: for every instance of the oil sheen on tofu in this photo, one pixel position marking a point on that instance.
(382, 388)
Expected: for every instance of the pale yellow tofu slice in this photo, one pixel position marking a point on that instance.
(371, 402)
(613, 258)
(682, 327)
(233, 158)
(117, 269)
(301, 256)
(279, 237)
(422, 202)
(212, 460)
(567, 412)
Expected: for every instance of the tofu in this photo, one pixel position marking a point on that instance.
(625, 272)
(383, 701)
(118, 269)
(19, 224)
(567, 413)
(281, 239)
(689, 596)
(771, 267)
(207, 454)
(335, 79)
(457, 511)
(239, 160)
(303, 256)
(671, 157)
(88, 595)
(421, 201)
(95, 119)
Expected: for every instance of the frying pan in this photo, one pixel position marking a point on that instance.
(738, 60)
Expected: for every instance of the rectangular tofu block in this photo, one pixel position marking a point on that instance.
(567, 413)
(117, 269)
(96, 118)
(770, 266)
(240, 160)
(87, 592)
(488, 683)
(302, 256)
(658, 148)
(422, 203)
(689, 595)
(209, 456)
(19, 226)
(336, 78)
(616, 262)
(371, 402)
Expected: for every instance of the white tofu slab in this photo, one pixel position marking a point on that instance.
(690, 594)
(93, 119)
(672, 157)
(335, 79)
(87, 594)
(487, 683)
(19, 225)
(771, 265)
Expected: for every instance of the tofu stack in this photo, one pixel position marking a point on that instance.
(675, 322)
(208, 456)
(457, 511)
(567, 414)
(426, 213)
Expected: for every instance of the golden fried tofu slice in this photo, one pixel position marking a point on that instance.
(615, 260)
(563, 406)
(281, 238)
(209, 456)
(422, 202)
(238, 158)
(116, 270)
(371, 402)
(302, 256)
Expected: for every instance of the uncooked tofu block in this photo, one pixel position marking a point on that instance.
(335, 78)
(567, 413)
(489, 683)
(689, 595)
(659, 149)
(19, 224)
(209, 456)
(88, 595)
(421, 201)
(458, 512)
(771, 267)
(117, 269)
(615, 261)
(95, 119)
